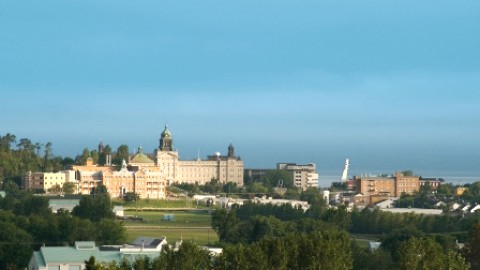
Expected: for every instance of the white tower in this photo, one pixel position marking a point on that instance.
(345, 171)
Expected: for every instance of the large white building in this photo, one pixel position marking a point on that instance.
(148, 176)
(225, 169)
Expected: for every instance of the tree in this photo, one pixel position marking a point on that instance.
(311, 195)
(394, 240)
(213, 187)
(472, 247)
(191, 256)
(455, 261)
(445, 189)
(38, 147)
(6, 142)
(227, 226)
(75, 229)
(82, 159)
(32, 205)
(121, 155)
(110, 232)
(340, 217)
(67, 162)
(91, 264)
(95, 156)
(44, 228)
(131, 197)
(55, 189)
(102, 157)
(317, 208)
(408, 173)
(69, 188)
(47, 165)
(338, 186)
(95, 207)
(417, 253)
(48, 150)
(273, 177)
(26, 145)
(15, 247)
(257, 188)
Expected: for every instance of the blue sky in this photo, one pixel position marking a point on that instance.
(392, 85)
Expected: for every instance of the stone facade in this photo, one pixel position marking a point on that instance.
(225, 169)
(148, 178)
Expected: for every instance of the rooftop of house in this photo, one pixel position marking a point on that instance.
(83, 250)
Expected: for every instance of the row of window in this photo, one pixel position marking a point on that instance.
(407, 184)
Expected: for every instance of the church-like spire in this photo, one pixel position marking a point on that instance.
(166, 140)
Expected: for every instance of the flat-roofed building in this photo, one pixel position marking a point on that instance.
(304, 176)
(406, 184)
(75, 258)
(44, 181)
(391, 185)
(373, 185)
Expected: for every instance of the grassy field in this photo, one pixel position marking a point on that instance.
(180, 218)
(181, 203)
(144, 203)
(198, 235)
(186, 225)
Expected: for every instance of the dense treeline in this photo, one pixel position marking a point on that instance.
(326, 249)
(266, 185)
(248, 224)
(17, 157)
(27, 223)
(374, 221)
(319, 250)
(252, 221)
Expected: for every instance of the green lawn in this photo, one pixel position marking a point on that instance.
(195, 226)
(144, 203)
(180, 218)
(201, 236)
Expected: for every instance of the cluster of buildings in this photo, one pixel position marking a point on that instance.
(369, 190)
(144, 175)
(149, 175)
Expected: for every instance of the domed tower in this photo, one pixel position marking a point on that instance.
(166, 140)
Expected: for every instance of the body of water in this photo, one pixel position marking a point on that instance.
(456, 178)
